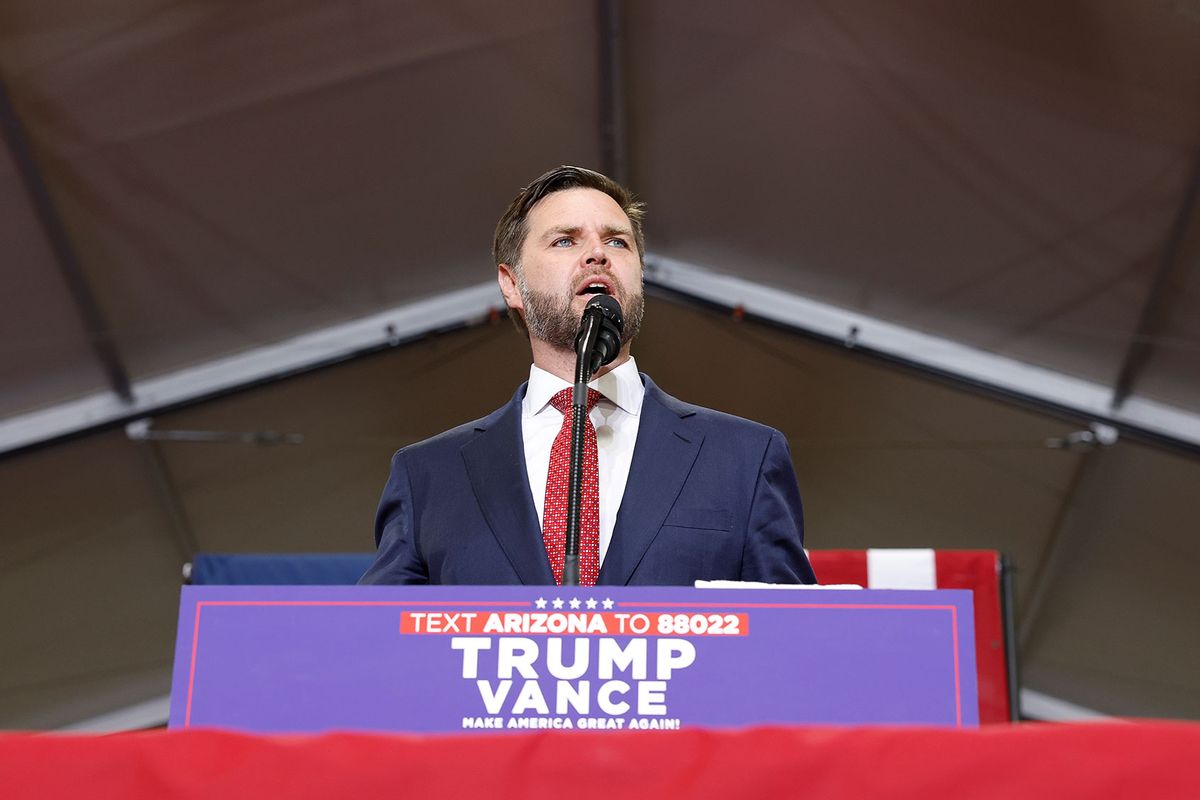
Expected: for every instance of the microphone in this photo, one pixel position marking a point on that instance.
(596, 344)
(599, 338)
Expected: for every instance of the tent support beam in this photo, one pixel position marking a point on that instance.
(970, 367)
(213, 378)
(1059, 543)
(613, 128)
(95, 324)
(1046, 708)
(168, 498)
(1141, 341)
(962, 365)
(152, 713)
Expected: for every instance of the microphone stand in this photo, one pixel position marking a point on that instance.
(584, 367)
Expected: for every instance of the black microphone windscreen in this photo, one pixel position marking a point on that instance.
(609, 307)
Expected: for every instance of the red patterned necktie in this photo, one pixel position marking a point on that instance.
(554, 515)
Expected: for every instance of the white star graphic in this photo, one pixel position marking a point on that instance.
(558, 603)
(608, 603)
(591, 602)
(540, 602)
(574, 602)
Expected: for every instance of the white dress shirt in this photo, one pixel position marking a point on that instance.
(615, 416)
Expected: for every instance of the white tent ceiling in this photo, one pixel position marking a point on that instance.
(1015, 180)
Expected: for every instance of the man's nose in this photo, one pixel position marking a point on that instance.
(597, 256)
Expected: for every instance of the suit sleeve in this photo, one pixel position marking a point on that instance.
(774, 550)
(398, 558)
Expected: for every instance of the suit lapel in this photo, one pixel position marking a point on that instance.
(495, 460)
(663, 457)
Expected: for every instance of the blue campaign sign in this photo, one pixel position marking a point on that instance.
(441, 659)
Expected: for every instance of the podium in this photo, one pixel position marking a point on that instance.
(275, 659)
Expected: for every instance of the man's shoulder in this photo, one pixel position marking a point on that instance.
(452, 440)
(719, 422)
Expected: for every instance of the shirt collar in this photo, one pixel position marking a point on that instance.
(621, 386)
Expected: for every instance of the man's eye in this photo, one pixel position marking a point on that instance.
(618, 242)
(562, 241)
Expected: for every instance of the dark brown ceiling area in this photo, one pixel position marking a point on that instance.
(184, 185)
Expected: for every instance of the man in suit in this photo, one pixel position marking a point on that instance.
(673, 493)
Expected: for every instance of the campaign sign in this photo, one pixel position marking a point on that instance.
(440, 659)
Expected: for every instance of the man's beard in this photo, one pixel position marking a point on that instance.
(557, 323)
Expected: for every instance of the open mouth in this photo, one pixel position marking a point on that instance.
(595, 287)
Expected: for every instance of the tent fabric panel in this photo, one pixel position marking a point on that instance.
(1169, 373)
(89, 575)
(293, 186)
(45, 356)
(898, 173)
(1118, 633)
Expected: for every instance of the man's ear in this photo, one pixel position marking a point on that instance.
(506, 276)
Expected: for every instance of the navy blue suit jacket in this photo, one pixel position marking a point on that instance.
(709, 496)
